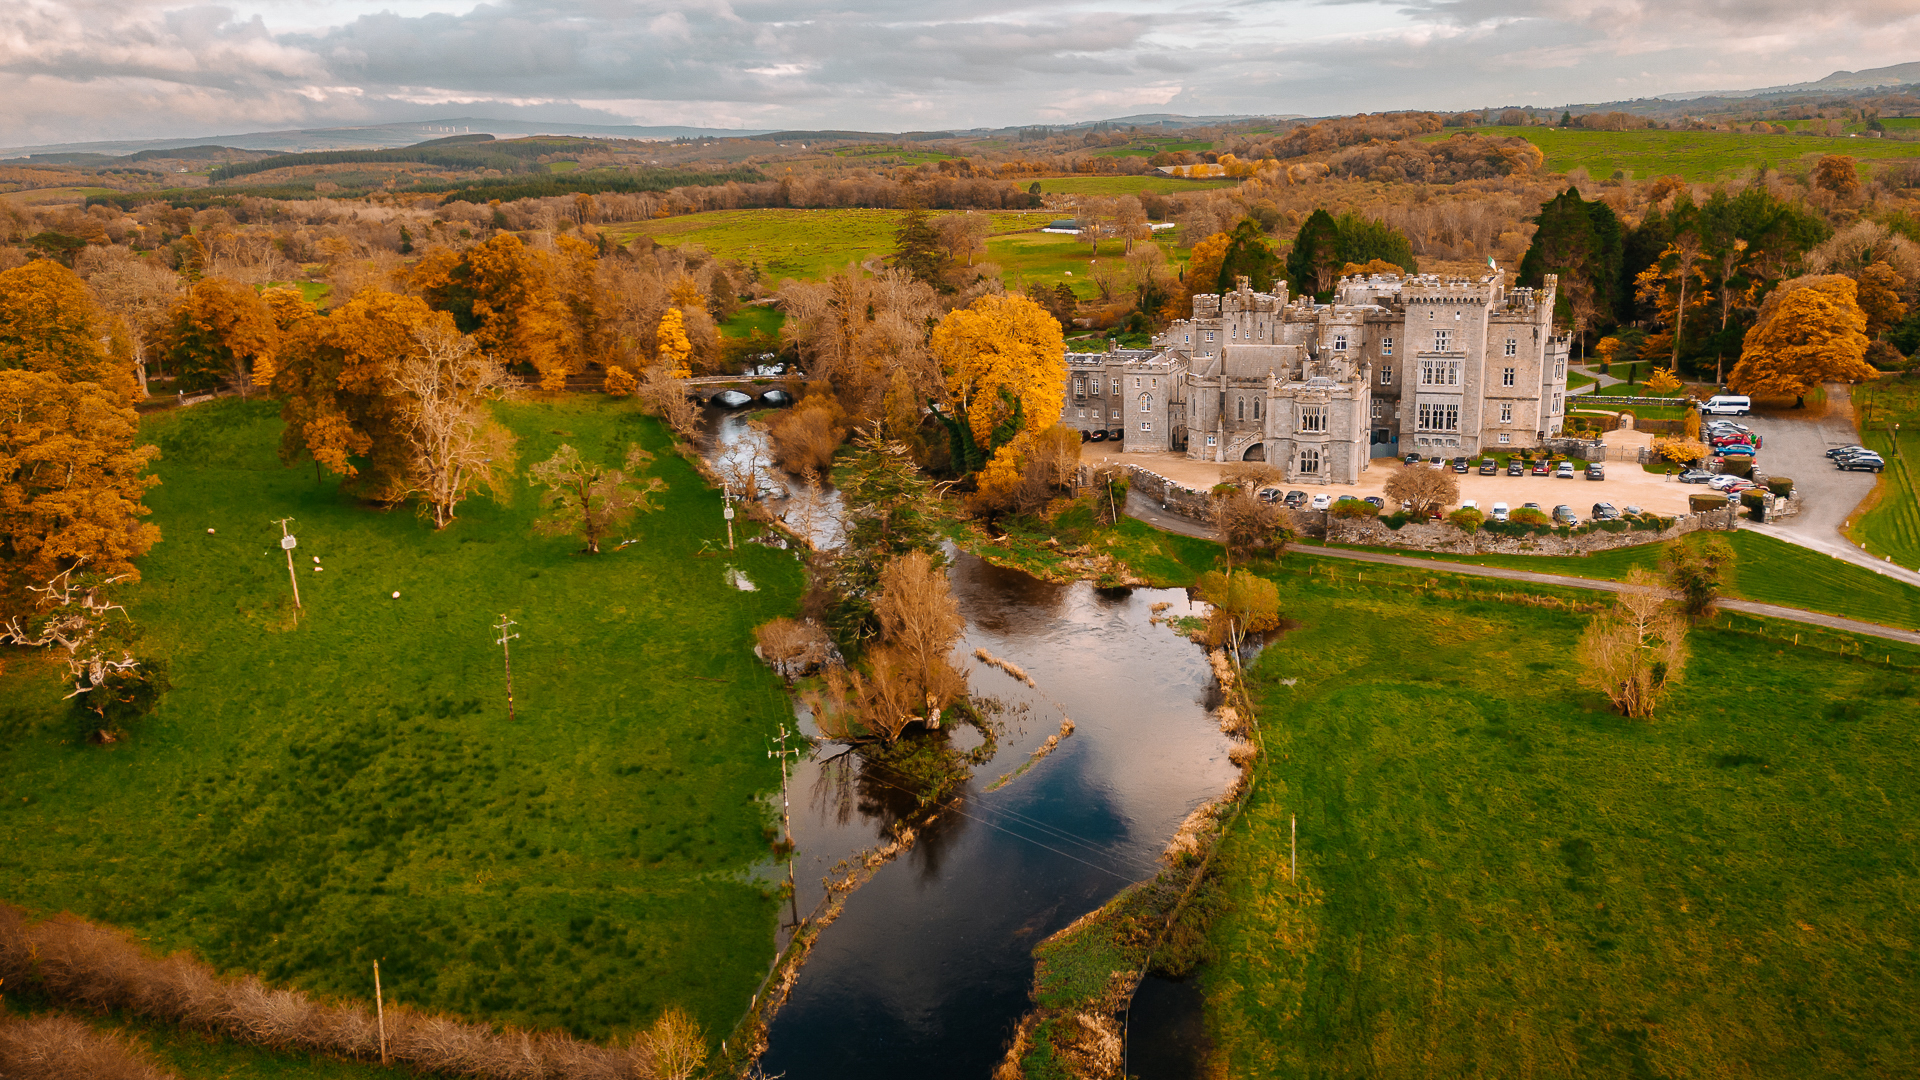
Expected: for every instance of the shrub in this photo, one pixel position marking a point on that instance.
(1755, 502)
(1738, 466)
(620, 382)
(1396, 519)
(1355, 508)
(1527, 515)
(1780, 485)
(1466, 519)
(1706, 500)
(807, 435)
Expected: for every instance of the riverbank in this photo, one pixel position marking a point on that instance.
(317, 794)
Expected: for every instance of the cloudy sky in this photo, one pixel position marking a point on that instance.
(74, 70)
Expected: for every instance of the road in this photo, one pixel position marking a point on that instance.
(1797, 446)
(1140, 507)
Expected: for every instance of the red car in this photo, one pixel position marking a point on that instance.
(1540, 467)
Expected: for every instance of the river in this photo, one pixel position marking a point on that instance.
(927, 971)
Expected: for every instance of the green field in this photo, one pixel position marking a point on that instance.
(877, 154)
(1892, 526)
(1049, 258)
(1147, 147)
(1767, 571)
(1699, 156)
(1128, 185)
(312, 797)
(1499, 877)
(802, 244)
(754, 319)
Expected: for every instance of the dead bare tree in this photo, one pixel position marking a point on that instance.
(1425, 489)
(1636, 651)
(455, 446)
(76, 616)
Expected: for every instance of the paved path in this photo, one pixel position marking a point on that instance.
(1139, 506)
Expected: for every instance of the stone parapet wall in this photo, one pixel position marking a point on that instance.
(1190, 503)
(1427, 536)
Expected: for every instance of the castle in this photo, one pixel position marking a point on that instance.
(1395, 365)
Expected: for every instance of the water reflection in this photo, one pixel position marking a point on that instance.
(926, 972)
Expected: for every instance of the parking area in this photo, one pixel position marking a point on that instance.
(1626, 484)
(1796, 446)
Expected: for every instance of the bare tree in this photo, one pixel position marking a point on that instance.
(1426, 489)
(590, 499)
(1636, 651)
(665, 395)
(793, 648)
(454, 445)
(77, 616)
(139, 291)
(1248, 525)
(963, 235)
(919, 616)
(675, 1043)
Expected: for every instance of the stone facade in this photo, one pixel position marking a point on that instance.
(1127, 393)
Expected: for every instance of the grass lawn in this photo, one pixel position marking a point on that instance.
(1767, 570)
(753, 319)
(803, 244)
(1695, 155)
(1891, 527)
(1576, 380)
(1499, 877)
(312, 797)
(1050, 258)
(1129, 185)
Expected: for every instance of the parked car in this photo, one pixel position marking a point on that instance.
(1723, 481)
(1271, 495)
(1322, 501)
(1489, 467)
(1564, 472)
(1098, 436)
(1295, 498)
(1378, 502)
(1694, 476)
(1499, 512)
(1739, 486)
(1603, 511)
(1631, 511)
(1860, 463)
(1848, 450)
(1516, 467)
(1469, 504)
(1596, 471)
(1564, 515)
(1411, 460)
(1459, 464)
(1727, 405)
(1541, 468)
(1532, 506)
(1735, 450)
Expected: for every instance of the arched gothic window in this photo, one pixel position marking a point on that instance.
(1239, 408)
(1309, 459)
(1146, 403)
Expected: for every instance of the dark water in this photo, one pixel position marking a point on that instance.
(1166, 1030)
(927, 971)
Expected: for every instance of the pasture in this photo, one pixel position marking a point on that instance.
(1766, 570)
(1500, 877)
(1889, 411)
(1698, 156)
(1129, 185)
(321, 791)
(800, 244)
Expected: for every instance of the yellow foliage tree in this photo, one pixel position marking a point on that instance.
(999, 351)
(1810, 330)
(48, 323)
(674, 348)
(1663, 381)
(1203, 263)
(219, 332)
(1680, 451)
(620, 382)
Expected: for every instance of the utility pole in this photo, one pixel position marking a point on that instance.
(380, 1009)
(1293, 847)
(287, 544)
(726, 496)
(786, 816)
(506, 658)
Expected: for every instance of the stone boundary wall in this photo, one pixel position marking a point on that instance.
(1584, 449)
(1427, 536)
(1196, 506)
(1190, 503)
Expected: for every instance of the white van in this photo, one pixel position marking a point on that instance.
(1500, 512)
(1727, 405)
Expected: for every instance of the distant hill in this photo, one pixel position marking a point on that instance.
(1894, 75)
(395, 136)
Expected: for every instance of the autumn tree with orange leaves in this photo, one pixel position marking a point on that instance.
(71, 477)
(1810, 330)
(220, 333)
